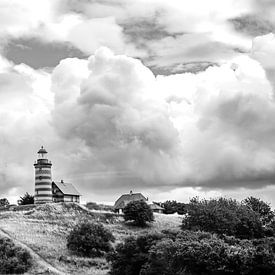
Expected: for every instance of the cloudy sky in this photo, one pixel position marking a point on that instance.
(173, 99)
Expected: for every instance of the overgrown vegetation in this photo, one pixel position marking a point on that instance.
(231, 245)
(219, 236)
(90, 239)
(171, 207)
(131, 255)
(4, 202)
(260, 207)
(223, 216)
(192, 253)
(13, 259)
(26, 199)
(139, 212)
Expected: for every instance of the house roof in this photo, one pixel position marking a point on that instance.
(156, 207)
(67, 188)
(120, 202)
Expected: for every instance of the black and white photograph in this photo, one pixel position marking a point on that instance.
(137, 137)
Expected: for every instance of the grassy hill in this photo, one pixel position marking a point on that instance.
(44, 228)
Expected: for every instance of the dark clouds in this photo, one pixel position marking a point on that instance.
(39, 54)
(151, 32)
(192, 67)
(252, 25)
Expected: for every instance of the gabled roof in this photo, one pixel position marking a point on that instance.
(155, 206)
(67, 188)
(120, 203)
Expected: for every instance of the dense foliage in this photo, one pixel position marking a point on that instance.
(13, 259)
(4, 202)
(219, 236)
(26, 199)
(130, 256)
(139, 212)
(89, 239)
(223, 216)
(171, 207)
(260, 207)
(198, 253)
(192, 253)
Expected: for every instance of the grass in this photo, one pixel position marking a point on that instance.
(46, 227)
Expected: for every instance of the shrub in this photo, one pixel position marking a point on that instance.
(13, 259)
(171, 207)
(139, 212)
(129, 257)
(90, 239)
(260, 207)
(192, 253)
(199, 253)
(26, 199)
(4, 202)
(223, 216)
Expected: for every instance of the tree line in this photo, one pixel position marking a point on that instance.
(218, 236)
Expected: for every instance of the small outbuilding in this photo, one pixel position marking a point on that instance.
(123, 200)
(156, 208)
(65, 192)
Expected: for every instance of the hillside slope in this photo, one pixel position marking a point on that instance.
(44, 229)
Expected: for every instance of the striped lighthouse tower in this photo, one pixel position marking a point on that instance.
(43, 178)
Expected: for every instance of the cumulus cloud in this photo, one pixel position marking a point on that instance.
(211, 129)
(263, 51)
(48, 22)
(116, 113)
(252, 25)
(162, 34)
(25, 101)
(111, 124)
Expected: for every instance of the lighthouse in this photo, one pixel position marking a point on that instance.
(43, 178)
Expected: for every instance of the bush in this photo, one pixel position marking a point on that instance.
(139, 212)
(192, 253)
(4, 202)
(90, 240)
(13, 259)
(199, 253)
(130, 256)
(260, 207)
(26, 199)
(171, 207)
(223, 216)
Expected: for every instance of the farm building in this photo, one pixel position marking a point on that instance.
(45, 189)
(156, 208)
(64, 192)
(123, 200)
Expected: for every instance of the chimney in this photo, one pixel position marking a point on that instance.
(131, 192)
(62, 181)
